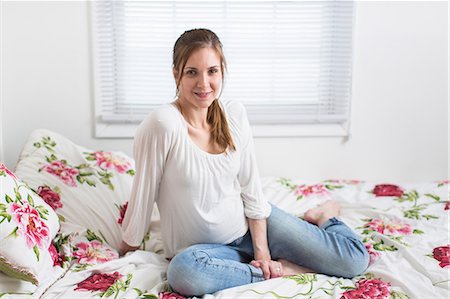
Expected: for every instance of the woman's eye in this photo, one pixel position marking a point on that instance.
(213, 71)
(190, 72)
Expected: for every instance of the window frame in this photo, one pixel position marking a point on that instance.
(273, 126)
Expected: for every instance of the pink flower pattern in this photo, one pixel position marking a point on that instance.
(57, 259)
(123, 210)
(369, 289)
(61, 170)
(4, 169)
(388, 190)
(373, 254)
(447, 206)
(98, 282)
(30, 225)
(308, 190)
(442, 254)
(50, 197)
(93, 253)
(395, 227)
(107, 160)
(170, 295)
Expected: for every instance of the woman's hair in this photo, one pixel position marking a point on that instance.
(188, 43)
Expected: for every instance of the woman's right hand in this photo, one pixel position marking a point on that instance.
(124, 248)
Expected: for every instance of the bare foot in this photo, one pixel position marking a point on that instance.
(293, 269)
(319, 215)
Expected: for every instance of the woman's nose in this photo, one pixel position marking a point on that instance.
(203, 80)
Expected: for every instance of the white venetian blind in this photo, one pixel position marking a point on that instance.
(289, 62)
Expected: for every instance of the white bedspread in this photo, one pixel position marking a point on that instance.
(408, 237)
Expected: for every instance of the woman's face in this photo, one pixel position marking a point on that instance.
(202, 78)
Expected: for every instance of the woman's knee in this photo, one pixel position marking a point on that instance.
(184, 275)
(355, 266)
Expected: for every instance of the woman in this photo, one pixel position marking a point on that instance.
(195, 159)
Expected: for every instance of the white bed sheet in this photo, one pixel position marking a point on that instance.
(414, 226)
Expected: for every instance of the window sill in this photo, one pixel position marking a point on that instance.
(119, 131)
(300, 130)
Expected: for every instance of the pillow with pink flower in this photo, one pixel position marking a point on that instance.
(27, 227)
(87, 188)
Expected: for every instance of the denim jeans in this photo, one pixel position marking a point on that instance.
(332, 249)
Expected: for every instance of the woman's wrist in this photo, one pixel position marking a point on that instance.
(262, 254)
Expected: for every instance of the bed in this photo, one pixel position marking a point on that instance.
(82, 196)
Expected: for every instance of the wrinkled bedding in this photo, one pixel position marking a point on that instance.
(405, 228)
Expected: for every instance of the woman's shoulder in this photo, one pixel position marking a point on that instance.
(161, 120)
(234, 110)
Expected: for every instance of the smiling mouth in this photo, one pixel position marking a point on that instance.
(203, 94)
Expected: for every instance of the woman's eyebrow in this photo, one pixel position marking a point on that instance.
(194, 68)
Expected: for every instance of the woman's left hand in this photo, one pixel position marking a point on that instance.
(270, 268)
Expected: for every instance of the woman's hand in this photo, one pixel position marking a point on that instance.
(124, 248)
(270, 268)
(262, 258)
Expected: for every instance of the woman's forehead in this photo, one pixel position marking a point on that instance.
(204, 58)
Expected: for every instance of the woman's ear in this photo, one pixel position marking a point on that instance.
(175, 74)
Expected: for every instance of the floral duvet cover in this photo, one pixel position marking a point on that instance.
(405, 228)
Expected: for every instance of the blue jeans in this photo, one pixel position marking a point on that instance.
(332, 249)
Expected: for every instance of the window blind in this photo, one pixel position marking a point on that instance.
(289, 62)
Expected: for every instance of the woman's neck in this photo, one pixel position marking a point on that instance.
(195, 117)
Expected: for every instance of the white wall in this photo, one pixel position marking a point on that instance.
(400, 108)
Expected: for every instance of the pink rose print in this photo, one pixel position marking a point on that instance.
(61, 170)
(93, 253)
(375, 225)
(387, 190)
(447, 206)
(98, 282)
(50, 197)
(57, 259)
(305, 190)
(106, 160)
(389, 228)
(122, 212)
(4, 170)
(169, 295)
(442, 255)
(399, 228)
(373, 254)
(30, 225)
(369, 289)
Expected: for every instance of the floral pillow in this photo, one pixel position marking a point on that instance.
(88, 189)
(27, 227)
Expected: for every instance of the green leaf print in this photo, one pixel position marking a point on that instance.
(435, 197)
(398, 295)
(36, 252)
(411, 196)
(303, 278)
(380, 246)
(90, 235)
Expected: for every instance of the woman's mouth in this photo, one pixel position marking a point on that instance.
(203, 95)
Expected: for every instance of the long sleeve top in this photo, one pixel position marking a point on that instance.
(201, 197)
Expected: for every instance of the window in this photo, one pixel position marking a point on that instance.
(289, 62)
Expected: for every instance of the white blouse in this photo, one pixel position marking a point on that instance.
(201, 197)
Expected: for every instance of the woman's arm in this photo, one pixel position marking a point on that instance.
(262, 258)
(256, 206)
(124, 248)
(151, 146)
(258, 230)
